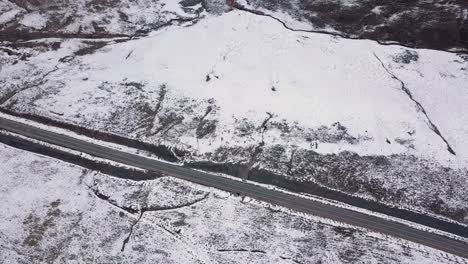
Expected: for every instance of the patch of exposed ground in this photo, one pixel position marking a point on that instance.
(435, 24)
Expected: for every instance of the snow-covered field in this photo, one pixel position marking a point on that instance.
(54, 212)
(384, 122)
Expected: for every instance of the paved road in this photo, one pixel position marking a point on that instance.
(274, 197)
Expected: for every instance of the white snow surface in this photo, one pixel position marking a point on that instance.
(34, 20)
(8, 16)
(439, 83)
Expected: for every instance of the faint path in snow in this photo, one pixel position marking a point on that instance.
(419, 106)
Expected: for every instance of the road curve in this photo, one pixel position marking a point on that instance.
(290, 201)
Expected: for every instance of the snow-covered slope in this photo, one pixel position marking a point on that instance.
(251, 66)
(235, 87)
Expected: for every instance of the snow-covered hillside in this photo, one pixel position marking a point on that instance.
(383, 122)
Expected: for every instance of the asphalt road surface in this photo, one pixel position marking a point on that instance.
(270, 196)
